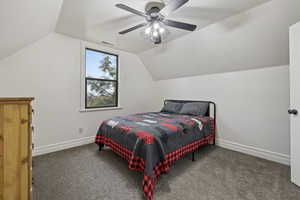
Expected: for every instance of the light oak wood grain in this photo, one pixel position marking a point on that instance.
(15, 148)
(11, 152)
(1, 153)
(24, 154)
(17, 99)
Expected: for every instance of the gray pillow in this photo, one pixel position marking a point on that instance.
(172, 107)
(196, 108)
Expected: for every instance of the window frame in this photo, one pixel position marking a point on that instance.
(84, 80)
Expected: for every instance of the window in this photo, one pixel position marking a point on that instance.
(101, 79)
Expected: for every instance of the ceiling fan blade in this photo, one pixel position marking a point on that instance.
(134, 11)
(172, 6)
(180, 25)
(133, 28)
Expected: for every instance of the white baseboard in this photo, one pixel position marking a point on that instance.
(62, 145)
(254, 151)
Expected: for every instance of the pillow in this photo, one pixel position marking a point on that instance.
(172, 107)
(195, 108)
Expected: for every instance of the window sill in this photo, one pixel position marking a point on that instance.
(100, 109)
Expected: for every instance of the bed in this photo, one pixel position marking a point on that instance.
(151, 142)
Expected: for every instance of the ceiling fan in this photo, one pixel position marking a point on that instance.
(155, 15)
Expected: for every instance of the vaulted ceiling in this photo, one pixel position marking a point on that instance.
(232, 34)
(98, 20)
(25, 21)
(253, 39)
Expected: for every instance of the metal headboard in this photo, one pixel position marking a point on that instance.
(208, 113)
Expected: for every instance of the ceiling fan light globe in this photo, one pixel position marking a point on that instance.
(161, 30)
(156, 25)
(155, 34)
(148, 30)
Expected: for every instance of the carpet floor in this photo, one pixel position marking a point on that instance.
(84, 173)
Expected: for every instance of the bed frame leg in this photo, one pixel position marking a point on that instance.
(193, 156)
(214, 141)
(101, 146)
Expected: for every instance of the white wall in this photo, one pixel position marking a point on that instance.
(252, 105)
(49, 70)
(251, 108)
(24, 22)
(253, 39)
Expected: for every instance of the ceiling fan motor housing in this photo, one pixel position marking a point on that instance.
(154, 7)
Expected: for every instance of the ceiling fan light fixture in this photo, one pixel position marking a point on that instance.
(155, 17)
(155, 32)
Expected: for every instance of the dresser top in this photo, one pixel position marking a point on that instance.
(16, 99)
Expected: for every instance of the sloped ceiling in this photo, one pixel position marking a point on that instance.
(98, 20)
(252, 39)
(25, 21)
(256, 38)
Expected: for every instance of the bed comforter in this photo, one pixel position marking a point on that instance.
(151, 142)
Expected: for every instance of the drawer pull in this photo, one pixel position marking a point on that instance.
(25, 160)
(23, 121)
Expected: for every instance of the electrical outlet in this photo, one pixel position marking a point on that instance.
(80, 130)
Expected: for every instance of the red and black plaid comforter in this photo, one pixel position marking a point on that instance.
(151, 142)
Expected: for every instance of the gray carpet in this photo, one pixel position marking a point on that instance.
(83, 173)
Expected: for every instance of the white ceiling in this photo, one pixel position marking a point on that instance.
(253, 39)
(98, 20)
(25, 21)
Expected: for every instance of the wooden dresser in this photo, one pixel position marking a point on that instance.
(15, 148)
